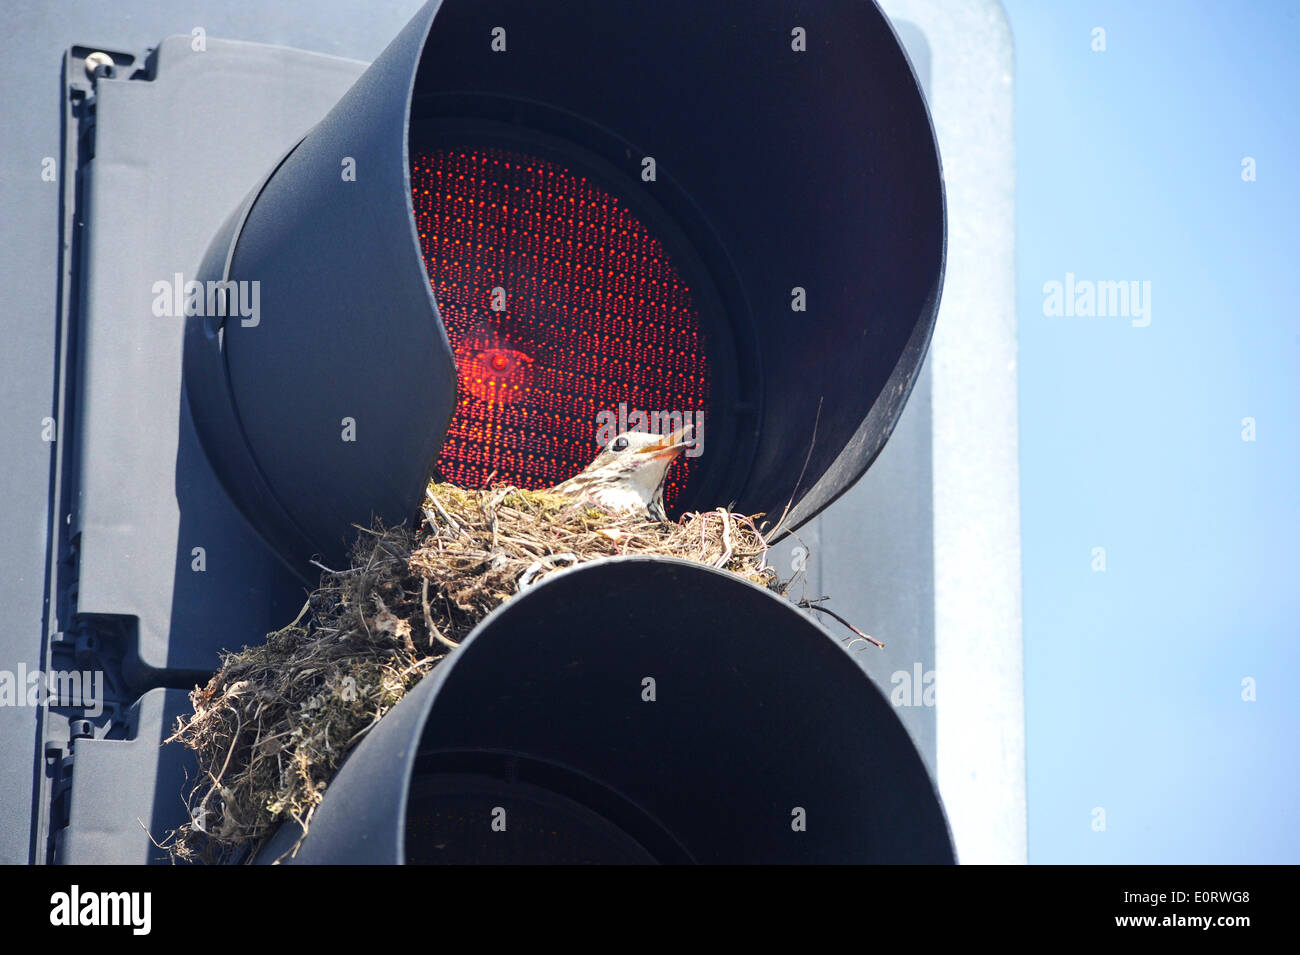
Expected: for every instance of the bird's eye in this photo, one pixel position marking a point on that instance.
(620, 444)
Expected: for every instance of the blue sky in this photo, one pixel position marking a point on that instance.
(1129, 167)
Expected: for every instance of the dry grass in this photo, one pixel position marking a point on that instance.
(275, 721)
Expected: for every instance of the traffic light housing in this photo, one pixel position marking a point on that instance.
(783, 164)
(802, 203)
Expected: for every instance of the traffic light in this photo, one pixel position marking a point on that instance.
(304, 287)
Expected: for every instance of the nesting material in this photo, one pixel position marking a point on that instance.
(275, 722)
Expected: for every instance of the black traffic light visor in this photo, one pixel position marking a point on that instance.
(807, 184)
(785, 170)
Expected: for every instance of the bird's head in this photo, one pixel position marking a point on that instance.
(638, 460)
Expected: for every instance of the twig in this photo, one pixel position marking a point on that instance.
(865, 636)
(536, 567)
(434, 632)
(726, 539)
(452, 523)
(808, 457)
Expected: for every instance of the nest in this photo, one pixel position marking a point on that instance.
(275, 722)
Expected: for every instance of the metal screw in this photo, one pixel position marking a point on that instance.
(95, 60)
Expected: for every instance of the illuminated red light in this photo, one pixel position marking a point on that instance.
(559, 304)
(494, 374)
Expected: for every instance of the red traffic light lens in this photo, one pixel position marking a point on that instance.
(560, 305)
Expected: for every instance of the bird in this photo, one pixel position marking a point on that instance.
(628, 474)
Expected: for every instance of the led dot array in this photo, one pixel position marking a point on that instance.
(559, 304)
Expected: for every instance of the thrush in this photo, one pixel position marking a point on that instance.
(628, 474)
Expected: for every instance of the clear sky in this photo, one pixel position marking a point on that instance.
(1129, 167)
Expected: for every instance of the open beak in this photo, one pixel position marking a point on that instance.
(670, 445)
